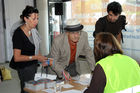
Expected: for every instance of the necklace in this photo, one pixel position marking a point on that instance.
(26, 30)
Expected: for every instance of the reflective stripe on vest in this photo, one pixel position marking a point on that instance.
(135, 89)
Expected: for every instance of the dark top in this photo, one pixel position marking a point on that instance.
(22, 42)
(103, 25)
(98, 81)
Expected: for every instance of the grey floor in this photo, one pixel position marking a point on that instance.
(10, 86)
(13, 85)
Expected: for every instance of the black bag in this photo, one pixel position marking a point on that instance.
(13, 64)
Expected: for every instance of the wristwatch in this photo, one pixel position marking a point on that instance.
(30, 57)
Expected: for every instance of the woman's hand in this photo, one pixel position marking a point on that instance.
(49, 61)
(41, 58)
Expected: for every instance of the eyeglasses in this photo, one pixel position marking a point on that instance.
(33, 18)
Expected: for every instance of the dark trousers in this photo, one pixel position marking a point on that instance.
(71, 68)
(26, 74)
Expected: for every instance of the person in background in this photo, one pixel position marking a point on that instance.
(26, 41)
(114, 71)
(114, 22)
(68, 47)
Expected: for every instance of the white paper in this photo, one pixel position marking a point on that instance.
(82, 82)
(49, 90)
(84, 79)
(39, 76)
(72, 91)
(67, 86)
(51, 77)
(44, 76)
(76, 77)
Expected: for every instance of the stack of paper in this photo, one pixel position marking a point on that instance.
(40, 84)
(35, 85)
(49, 83)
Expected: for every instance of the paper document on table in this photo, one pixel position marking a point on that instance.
(82, 82)
(51, 77)
(39, 76)
(49, 90)
(67, 86)
(72, 91)
(43, 76)
(84, 79)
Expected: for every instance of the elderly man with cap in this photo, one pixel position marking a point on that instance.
(67, 47)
